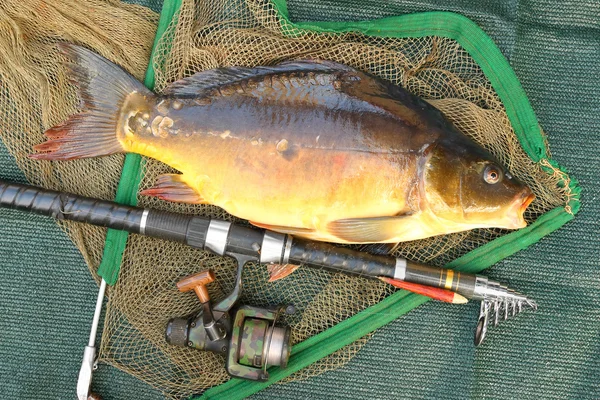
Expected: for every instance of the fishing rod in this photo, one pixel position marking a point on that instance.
(248, 244)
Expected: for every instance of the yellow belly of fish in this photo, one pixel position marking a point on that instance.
(257, 184)
(309, 191)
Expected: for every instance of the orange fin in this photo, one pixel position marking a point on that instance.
(284, 229)
(279, 271)
(78, 138)
(103, 87)
(170, 187)
(367, 230)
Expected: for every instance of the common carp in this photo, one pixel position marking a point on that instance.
(310, 148)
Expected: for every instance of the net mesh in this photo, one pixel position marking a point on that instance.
(35, 95)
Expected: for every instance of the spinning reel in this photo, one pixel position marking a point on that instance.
(250, 344)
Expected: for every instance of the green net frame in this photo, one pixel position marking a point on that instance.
(522, 118)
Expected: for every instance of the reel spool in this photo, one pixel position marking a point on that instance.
(257, 343)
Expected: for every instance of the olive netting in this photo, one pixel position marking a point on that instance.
(35, 94)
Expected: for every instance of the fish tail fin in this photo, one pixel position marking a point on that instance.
(103, 89)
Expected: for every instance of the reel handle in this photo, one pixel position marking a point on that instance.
(214, 330)
(197, 283)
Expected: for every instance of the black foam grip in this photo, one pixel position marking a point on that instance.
(167, 225)
(183, 228)
(64, 206)
(341, 259)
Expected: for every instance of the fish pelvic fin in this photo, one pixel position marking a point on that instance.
(103, 89)
(171, 187)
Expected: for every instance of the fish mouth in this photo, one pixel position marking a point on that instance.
(519, 206)
(527, 201)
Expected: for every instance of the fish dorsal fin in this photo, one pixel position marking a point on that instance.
(394, 99)
(343, 79)
(203, 83)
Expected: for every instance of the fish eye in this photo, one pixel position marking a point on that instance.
(492, 174)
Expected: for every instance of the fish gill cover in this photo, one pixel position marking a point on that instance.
(35, 94)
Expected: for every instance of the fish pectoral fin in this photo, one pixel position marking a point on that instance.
(171, 187)
(280, 271)
(367, 230)
(284, 229)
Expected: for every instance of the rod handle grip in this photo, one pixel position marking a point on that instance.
(65, 206)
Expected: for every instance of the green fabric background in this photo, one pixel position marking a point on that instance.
(47, 296)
